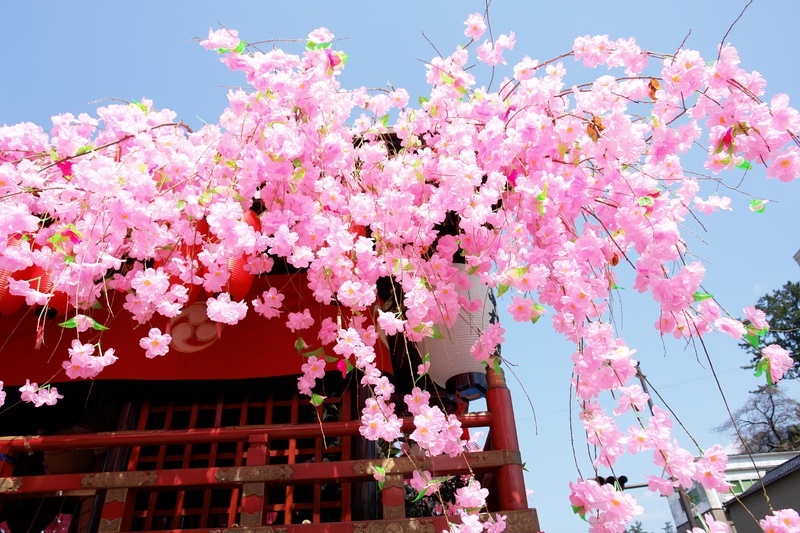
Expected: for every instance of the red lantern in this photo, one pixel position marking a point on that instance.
(42, 281)
(239, 279)
(11, 303)
(190, 252)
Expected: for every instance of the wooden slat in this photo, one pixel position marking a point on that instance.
(187, 458)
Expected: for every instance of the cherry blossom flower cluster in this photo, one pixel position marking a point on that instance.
(553, 189)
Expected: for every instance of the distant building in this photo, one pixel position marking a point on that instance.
(797, 257)
(782, 484)
(742, 473)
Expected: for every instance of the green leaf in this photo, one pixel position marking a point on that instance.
(423, 100)
(645, 201)
(745, 165)
(331, 359)
(753, 339)
(385, 120)
(300, 345)
(311, 45)
(761, 367)
(240, 47)
(69, 259)
(69, 324)
(98, 326)
(580, 511)
(181, 204)
(436, 334)
(222, 50)
(420, 495)
(496, 365)
(543, 195)
(758, 206)
(84, 149)
(472, 270)
(418, 328)
(140, 106)
(447, 79)
(700, 296)
(316, 399)
(502, 288)
(380, 471)
(518, 272)
(53, 154)
(231, 163)
(315, 353)
(540, 309)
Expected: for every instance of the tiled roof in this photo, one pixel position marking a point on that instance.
(779, 472)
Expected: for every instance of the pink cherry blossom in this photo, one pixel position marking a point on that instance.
(779, 361)
(156, 343)
(222, 38)
(28, 391)
(712, 204)
(472, 497)
(476, 26)
(46, 396)
(782, 521)
(269, 304)
(223, 309)
(731, 326)
(299, 321)
(314, 368)
(757, 317)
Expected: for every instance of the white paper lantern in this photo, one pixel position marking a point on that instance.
(450, 355)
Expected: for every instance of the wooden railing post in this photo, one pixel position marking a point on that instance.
(252, 513)
(117, 511)
(510, 481)
(394, 497)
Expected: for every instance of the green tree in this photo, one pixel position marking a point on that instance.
(668, 527)
(769, 421)
(636, 527)
(782, 308)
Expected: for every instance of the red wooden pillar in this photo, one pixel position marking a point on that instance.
(252, 513)
(117, 511)
(394, 497)
(510, 482)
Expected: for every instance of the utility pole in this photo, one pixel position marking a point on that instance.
(686, 505)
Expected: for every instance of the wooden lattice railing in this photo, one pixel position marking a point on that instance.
(266, 477)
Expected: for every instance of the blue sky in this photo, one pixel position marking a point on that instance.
(74, 56)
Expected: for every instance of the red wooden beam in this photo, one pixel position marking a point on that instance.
(218, 477)
(521, 521)
(120, 439)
